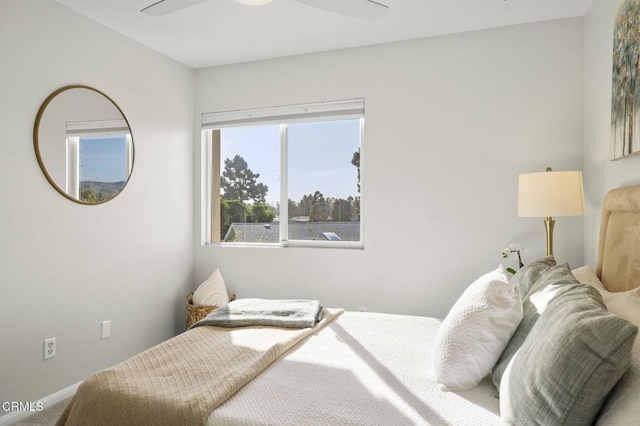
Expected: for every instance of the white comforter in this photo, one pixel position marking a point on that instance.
(364, 369)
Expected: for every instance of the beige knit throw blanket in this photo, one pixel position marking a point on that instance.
(180, 381)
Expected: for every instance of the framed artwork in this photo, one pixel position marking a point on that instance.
(625, 89)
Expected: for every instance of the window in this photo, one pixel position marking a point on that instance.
(284, 175)
(99, 159)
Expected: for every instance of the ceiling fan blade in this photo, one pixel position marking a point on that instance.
(361, 9)
(165, 7)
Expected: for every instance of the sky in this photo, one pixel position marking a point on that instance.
(103, 159)
(320, 156)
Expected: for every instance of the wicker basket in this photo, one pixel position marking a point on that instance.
(197, 312)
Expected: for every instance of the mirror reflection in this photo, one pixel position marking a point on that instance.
(83, 144)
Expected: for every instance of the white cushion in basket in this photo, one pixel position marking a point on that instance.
(621, 407)
(476, 331)
(212, 292)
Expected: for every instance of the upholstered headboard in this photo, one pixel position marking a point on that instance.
(619, 247)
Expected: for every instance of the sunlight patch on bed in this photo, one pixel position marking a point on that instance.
(542, 298)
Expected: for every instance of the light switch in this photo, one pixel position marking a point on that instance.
(106, 329)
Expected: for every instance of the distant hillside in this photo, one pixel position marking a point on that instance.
(92, 191)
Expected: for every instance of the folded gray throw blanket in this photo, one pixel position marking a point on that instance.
(265, 312)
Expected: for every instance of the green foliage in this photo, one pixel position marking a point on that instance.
(355, 203)
(318, 208)
(321, 209)
(240, 212)
(88, 197)
(240, 183)
(341, 210)
(355, 160)
(231, 211)
(261, 213)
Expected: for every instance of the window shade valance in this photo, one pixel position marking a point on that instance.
(344, 109)
(97, 128)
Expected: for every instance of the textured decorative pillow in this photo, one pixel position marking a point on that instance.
(621, 407)
(556, 276)
(573, 356)
(527, 276)
(212, 292)
(476, 330)
(586, 275)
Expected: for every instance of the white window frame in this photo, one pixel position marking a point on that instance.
(283, 116)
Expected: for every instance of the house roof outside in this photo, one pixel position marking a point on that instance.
(304, 231)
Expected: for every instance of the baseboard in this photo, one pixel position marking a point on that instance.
(47, 401)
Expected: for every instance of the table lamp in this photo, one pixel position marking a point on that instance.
(548, 194)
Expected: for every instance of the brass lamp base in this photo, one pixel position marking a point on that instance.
(548, 224)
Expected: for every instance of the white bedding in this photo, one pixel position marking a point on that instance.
(364, 368)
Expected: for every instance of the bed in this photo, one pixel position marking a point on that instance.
(368, 368)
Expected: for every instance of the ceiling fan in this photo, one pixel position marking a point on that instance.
(360, 9)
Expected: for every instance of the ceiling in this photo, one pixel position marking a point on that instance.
(218, 32)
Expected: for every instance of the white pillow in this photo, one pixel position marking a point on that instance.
(621, 407)
(586, 275)
(212, 292)
(476, 331)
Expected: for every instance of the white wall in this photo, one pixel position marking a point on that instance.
(66, 267)
(600, 174)
(450, 123)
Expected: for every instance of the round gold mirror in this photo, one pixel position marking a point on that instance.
(83, 144)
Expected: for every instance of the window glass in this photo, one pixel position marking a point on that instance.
(103, 168)
(305, 158)
(249, 184)
(323, 180)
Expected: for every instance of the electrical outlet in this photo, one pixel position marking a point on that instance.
(106, 329)
(362, 309)
(49, 348)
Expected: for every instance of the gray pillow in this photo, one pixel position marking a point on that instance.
(571, 359)
(527, 276)
(546, 275)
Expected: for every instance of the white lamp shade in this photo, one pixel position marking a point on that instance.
(549, 194)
